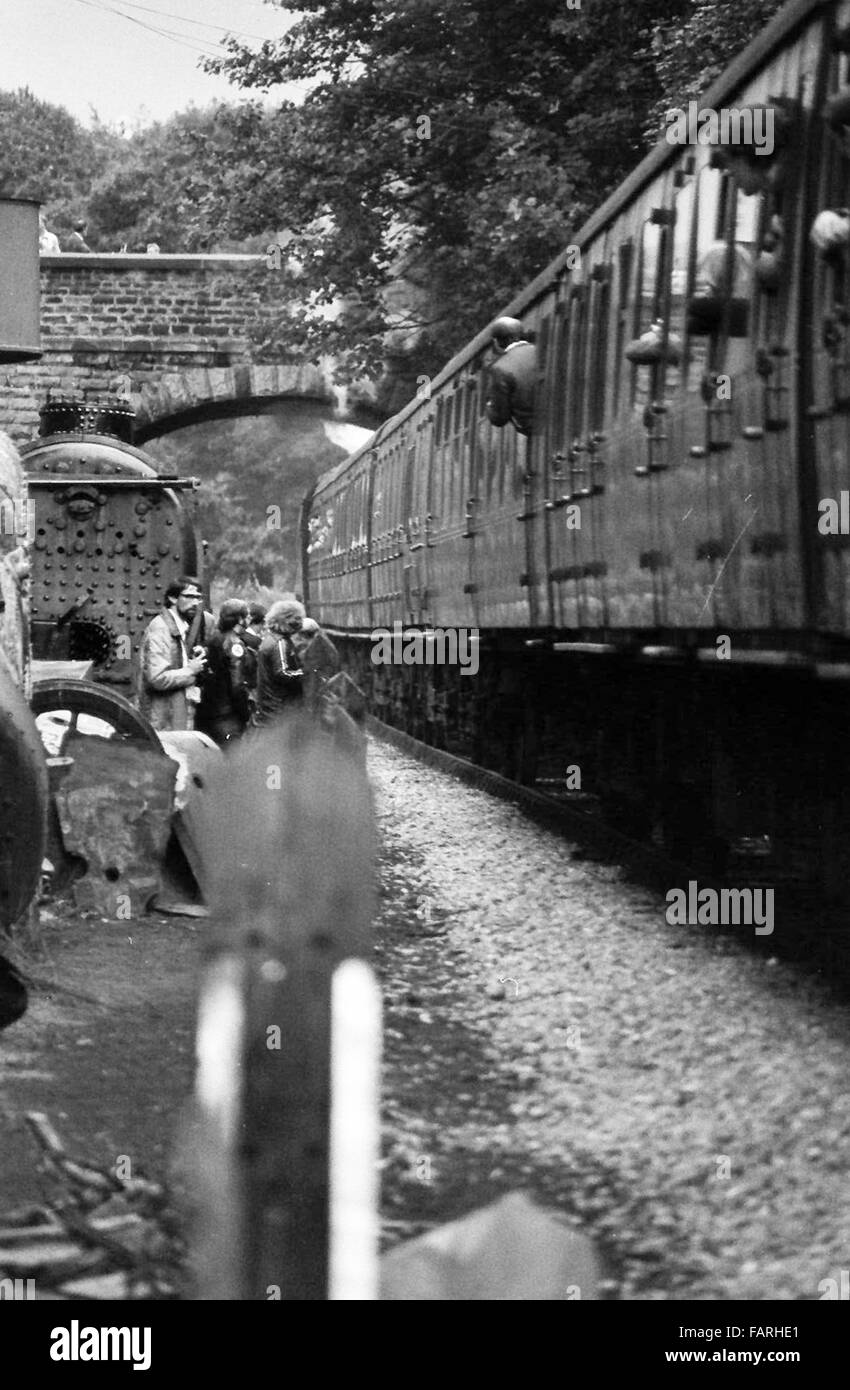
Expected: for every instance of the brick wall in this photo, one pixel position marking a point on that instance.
(136, 319)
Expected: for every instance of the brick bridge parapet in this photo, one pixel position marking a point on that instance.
(175, 333)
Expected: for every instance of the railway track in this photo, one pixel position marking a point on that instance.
(812, 933)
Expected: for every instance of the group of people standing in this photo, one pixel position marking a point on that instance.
(247, 669)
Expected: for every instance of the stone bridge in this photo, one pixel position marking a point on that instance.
(176, 333)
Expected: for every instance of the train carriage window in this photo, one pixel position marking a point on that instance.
(462, 437)
(649, 304)
(437, 475)
(599, 350)
(512, 461)
(624, 277)
(558, 378)
(454, 461)
(578, 358)
(708, 206)
(720, 302)
(681, 273)
(461, 461)
(542, 387)
(650, 274)
(409, 476)
(745, 233)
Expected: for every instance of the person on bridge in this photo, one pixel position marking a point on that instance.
(48, 242)
(280, 677)
(76, 240)
(172, 659)
(513, 377)
(223, 711)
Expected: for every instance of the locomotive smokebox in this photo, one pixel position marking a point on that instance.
(20, 340)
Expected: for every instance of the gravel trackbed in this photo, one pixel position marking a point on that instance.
(679, 1094)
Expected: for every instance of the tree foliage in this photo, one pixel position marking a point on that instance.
(691, 52)
(254, 474)
(45, 153)
(171, 182)
(443, 154)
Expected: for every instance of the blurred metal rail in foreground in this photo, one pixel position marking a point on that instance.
(286, 844)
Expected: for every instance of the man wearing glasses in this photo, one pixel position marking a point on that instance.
(171, 660)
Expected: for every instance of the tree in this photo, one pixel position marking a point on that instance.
(169, 181)
(689, 53)
(255, 472)
(441, 157)
(45, 153)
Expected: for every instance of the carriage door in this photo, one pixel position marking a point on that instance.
(567, 461)
(472, 469)
(675, 489)
(526, 458)
(653, 356)
(415, 515)
(590, 494)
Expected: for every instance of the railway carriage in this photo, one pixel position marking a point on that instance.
(657, 602)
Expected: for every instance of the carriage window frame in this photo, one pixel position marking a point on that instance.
(577, 353)
(686, 209)
(599, 343)
(558, 374)
(625, 268)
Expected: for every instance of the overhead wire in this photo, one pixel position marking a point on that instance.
(198, 23)
(201, 46)
(195, 44)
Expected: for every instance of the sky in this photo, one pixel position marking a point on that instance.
(84, 54)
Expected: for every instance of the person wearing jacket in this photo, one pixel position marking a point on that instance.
(513, 377)
(319, 660)
(167, 675)
(223, 711)
(280, 678)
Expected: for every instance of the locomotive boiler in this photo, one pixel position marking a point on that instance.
(658, 578)
(109, 533)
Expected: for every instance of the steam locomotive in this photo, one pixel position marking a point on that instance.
(97, 536)
(658, 577)
(109, 535)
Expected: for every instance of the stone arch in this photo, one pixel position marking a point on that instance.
(178, 399)
(178, 334)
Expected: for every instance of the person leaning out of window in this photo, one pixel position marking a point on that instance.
(513, 377)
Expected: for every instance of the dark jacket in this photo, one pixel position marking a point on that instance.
(252, 648)
(319, 659)
(513, 378)
(280, 679)
(224, 693)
